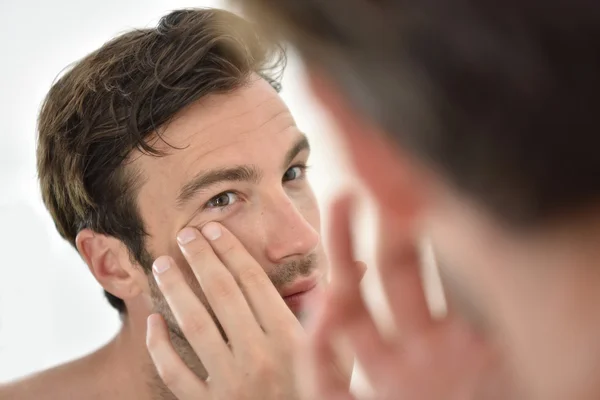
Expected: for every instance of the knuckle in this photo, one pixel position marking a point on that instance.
(263, 361)
(194, 326)
(169, 377)
(237, 387)
(265, 367)
(253, 277)
(221, 286)
(194, 250)
(227, 247)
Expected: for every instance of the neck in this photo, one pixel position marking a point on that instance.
(127, 369)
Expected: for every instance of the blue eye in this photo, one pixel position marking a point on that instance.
(294, 173)
(222, 200)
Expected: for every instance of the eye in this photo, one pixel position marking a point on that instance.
(294, 173)
(222, 200)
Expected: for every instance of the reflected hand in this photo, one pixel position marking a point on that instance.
(426, 359)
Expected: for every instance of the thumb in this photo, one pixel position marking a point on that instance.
(362, 268)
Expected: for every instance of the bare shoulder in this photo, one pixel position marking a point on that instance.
(62, 382)
(73, 380)
(20, 390)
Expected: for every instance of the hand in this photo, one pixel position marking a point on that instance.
(257, 363)
(426, 359)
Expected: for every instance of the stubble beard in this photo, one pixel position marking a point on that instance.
(281, 275)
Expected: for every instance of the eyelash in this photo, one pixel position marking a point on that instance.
(222, 208)
(303, 168)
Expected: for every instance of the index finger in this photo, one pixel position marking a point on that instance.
(400, 270)
(269, 307)
(344, 277)
(220, 288)
(324, 378)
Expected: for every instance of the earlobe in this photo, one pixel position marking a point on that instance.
(111, 268)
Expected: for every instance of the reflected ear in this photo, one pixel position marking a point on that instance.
(108, 260)
(397, 180)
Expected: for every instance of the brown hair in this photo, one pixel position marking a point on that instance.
(115, 99)
(502, 98)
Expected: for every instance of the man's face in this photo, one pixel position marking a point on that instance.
(238, 159)
(533, 294)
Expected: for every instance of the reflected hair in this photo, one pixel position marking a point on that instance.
(500, 98)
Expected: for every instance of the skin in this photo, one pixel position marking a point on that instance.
(277, 221)
(435, 359)
(274, 219)
(257, 361)
(523, 303)
(522, 320)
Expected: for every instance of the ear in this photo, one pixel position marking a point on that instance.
(108, 260)
(396, 180)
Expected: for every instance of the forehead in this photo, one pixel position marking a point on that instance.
(250, 125)
(222, 120)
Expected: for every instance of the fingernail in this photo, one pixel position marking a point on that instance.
(161, 265)
(362, 267)
(153, 320)
(211, 231)
(186, 235)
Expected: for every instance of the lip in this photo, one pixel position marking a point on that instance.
(300, 294)
(300, 286)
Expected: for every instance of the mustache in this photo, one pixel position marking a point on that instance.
(285, 273)
(280, 275)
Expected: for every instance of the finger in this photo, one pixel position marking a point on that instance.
(319, 358)
(221, 290)
(172, 370)
(347, 310)
(344, 349)
(362, 268)
(350, 316)
(453, 296)
(400, 271)
(194, 320)
(269, 307)
(341, 250)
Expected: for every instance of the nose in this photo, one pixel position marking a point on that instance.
(288, 233)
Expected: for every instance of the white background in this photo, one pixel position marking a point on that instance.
(51, 308)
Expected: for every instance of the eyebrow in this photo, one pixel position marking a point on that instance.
(240, 173)
(299, 146)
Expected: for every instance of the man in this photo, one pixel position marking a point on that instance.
(155, 136)
(476, 123)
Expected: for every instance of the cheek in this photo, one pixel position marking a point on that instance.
(469, 268)
(248, 228)
(306, 203)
